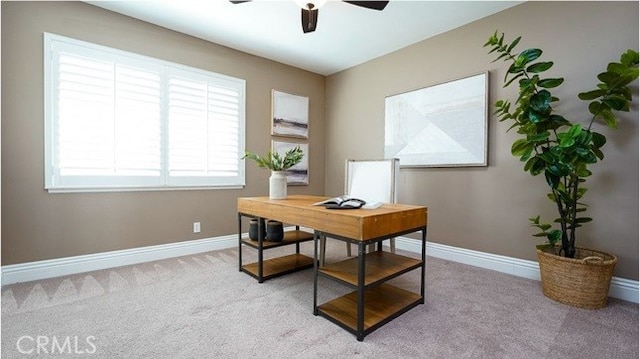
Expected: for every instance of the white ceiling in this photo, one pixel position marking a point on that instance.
(346, 35)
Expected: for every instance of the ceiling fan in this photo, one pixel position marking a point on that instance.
(310, 10)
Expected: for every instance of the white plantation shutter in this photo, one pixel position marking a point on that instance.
(108, 122)
(119, 120)
(224, 132)
(138, 122)
(85, 113)
(203, 128)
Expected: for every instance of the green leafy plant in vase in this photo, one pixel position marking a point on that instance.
(560, 149)
(277, 163)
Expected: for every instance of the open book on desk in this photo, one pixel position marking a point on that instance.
(346, 202)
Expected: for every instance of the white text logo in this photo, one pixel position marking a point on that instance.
(43, 344)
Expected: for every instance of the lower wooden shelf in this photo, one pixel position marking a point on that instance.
(381, 304)
(279, 266)
(290, 237)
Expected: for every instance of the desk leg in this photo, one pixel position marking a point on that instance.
(316, 237)
(260, 255)
(297, 244)
(323, 249)
(362, 251)
(239, 242)
(424, 262)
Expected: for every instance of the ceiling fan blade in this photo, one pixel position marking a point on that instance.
(373, 5)
(309, 20)
(238, 1)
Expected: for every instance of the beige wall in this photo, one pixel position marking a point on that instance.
(37, 225)
(476, 208)
(486, 209)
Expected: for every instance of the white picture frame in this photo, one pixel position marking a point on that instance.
(297, 175)
(289, 115)
(444, 125)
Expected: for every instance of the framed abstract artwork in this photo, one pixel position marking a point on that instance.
(444, 125)
(290, 115)
(298, 174)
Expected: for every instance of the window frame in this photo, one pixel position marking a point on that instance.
(54, 182)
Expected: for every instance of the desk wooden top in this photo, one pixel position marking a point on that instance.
(359, 224)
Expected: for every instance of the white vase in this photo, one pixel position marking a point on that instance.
(277, 185)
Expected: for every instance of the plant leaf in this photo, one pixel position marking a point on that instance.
(594, 107)
(514, 43)
(609, 118)
(550, 83)
(529, 55)
(539, 67)
(552, 180)
(575, 130)
(591, 95)
(541, 102)
(629, 58)
(617, 103)
(598, 139)
(513, 78)
(608, 77)
(583, 220)
(554, 236)
(567, 141)
(521, 147)
(493, 39)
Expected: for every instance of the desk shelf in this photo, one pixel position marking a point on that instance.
(279, 266)
(271, 268)
(379, 267)
(290, 237)
(382, 304)
(373, 301)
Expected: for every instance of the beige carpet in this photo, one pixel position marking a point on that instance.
(201, 306)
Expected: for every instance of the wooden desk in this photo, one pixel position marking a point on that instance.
(373, 302)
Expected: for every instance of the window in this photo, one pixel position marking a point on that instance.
(117, 120)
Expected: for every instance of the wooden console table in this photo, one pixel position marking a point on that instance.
(373, 302)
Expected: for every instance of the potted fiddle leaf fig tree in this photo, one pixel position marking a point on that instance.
(562, 151)
(277, 163)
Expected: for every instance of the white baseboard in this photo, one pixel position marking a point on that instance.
(25, 272)
(621, 288)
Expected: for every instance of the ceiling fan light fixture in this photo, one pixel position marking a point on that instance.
(310, 4)
(309, 10)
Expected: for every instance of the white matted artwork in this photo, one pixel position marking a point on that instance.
(439, 126)
(298, 174)
(290, 115)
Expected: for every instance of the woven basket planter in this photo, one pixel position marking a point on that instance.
(582, 281)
